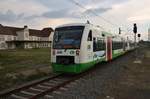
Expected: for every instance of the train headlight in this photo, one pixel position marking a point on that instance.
(77, 52)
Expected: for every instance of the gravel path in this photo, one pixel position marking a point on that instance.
(93, 86)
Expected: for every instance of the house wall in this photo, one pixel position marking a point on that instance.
(2, 42)
(44, 39)
(23, 35)
(4, 38)
(26, 34)
(33, 38)
(20, 35)
(31, 45)
(51, 36)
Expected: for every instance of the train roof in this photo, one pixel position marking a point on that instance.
(88, 24)
(72, 24)
(107, 33)
(84, 24)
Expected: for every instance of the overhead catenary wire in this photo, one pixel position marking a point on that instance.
(93, 12)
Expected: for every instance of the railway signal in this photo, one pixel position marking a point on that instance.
(135, 28)
(136, 54)
(135, 32)
(139, 35)
(119, 30)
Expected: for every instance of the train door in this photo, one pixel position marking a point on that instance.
(89, 53)
(109, 49)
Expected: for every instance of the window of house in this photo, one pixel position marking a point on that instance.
(90, 36)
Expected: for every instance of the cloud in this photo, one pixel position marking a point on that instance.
(29, 7)
(139, 18)
(10, 16)
(55, 4)
(42, 13)
(97, 10)
(56, 14)
(62, 13)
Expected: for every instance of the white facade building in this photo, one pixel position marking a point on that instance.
(13, 37)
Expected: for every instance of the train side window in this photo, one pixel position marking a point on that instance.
(100, 45)
(90, 36)
(117, 45)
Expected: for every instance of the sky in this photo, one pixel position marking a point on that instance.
(113, 14)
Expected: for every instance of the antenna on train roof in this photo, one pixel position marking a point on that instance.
(88, 22)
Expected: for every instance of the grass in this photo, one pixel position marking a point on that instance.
(17, 59)
(14, 61)
(147, 54)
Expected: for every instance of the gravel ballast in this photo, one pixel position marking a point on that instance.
(93, 85)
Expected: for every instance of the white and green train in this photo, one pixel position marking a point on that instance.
(78, 47)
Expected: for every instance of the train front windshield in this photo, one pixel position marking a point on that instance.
(68, 37)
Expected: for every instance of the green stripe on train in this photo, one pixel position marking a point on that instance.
(75, 68)
(117, 54)
(78, 68)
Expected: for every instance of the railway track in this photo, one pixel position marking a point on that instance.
(33, 89)
(44, 88)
